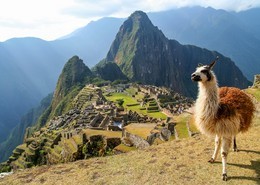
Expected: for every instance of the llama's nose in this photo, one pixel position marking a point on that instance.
(195, 77)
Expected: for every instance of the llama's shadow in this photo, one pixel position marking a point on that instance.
(255, 165)
(250, 151)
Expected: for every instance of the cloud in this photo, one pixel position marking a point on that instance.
(120, 8)
(50, 19)
(101, 8)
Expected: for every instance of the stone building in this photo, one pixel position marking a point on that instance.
(257, 81)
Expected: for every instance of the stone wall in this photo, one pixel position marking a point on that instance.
(257, 81)
(137, 141)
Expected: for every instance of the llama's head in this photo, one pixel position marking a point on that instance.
(203, 73)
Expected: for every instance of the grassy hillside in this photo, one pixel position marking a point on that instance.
(176, 162)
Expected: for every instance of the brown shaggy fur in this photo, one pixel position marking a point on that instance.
(235, 101)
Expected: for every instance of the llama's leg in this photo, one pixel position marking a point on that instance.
(226, 143)
(217, 146)
(235, 145)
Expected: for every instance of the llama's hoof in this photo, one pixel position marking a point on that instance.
(211, 160)
(235, 149)
(224, 177)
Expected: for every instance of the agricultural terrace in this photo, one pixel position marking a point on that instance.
(132, 100)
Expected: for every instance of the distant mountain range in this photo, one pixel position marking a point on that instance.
(29, 67)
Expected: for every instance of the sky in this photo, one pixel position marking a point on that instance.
(51, 19)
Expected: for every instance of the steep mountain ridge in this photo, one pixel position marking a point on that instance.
(144, 54)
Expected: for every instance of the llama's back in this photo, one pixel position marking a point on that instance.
(235, 101)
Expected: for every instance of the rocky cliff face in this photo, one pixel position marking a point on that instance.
(108, 71)
(144, 54)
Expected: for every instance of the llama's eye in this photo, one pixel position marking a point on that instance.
(204, 71)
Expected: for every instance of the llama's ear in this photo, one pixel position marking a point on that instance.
(213, 63)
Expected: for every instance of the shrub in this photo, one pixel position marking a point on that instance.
(5, 169)
(120, 102)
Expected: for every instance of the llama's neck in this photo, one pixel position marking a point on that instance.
(208, 100)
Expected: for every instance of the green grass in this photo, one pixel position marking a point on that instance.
(181, 125)
(255, 92)
(129, 100)
(131, 90)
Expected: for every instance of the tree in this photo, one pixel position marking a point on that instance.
(120, 102)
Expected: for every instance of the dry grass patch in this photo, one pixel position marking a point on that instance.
(106, 133)
(123, 148)
(140, 129)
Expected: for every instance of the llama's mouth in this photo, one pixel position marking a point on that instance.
(195, 78)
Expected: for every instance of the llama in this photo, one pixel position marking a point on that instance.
(220, 112)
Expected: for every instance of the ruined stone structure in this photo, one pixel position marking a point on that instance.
(257, 81)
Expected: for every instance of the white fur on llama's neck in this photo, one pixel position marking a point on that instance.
(206, 106)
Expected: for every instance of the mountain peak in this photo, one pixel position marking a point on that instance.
(137, 20)
(74, 73)
(139, 16)
(136, 31)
